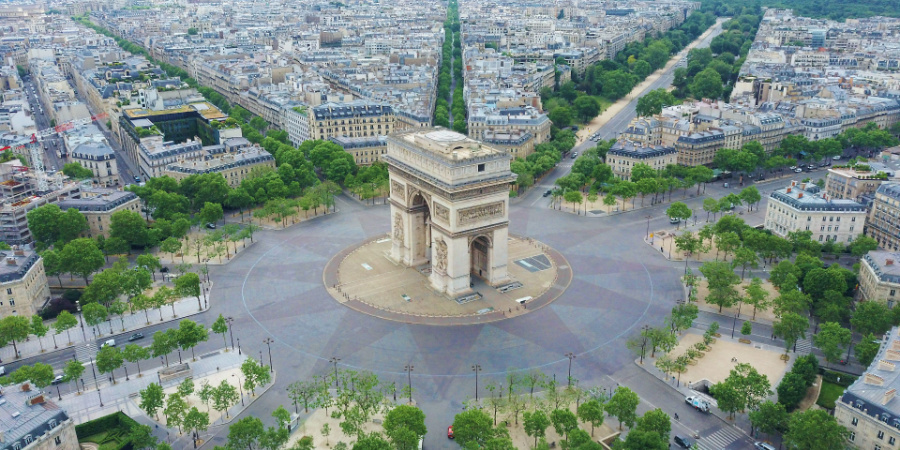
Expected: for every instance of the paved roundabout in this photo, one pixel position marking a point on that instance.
(615, 289)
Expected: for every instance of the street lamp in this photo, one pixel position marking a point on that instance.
(239, 346)
(648, 226)
(241, 389)
(229, 321)
(268, 341)
(644, 329)
(97, 385)
(409, 368)
(734, 322)
(475, 368)
(80, 318)
(571, 356)
(100, 397)
(334, 360)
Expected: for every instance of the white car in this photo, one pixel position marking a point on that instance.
(836, 158)
(108, 343)
(798, 170)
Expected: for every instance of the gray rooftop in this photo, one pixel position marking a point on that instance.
(886, 265)
(633, 150)
(808, 199)
(105, 200)
(19, 418)
(873, 393)
(23, 259)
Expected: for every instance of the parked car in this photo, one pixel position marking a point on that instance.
(450, 432)
(574, 155)
(763, 446)
(57, 380)
(836, 158)
(211, 226)
(548, 192)
(108, 343)
(2, 370)
(683, 441)
(164, 270)
(798, 170)
(674, 220)
(136, 337)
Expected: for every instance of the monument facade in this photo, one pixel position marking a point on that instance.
(449, 207)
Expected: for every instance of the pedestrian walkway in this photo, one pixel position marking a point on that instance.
(133, 321)
(804, 346)
(86, 354)
(720, 439)
(93, 402)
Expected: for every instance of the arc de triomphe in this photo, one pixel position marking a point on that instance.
(450, 206)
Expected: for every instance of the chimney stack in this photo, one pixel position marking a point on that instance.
(889, 262)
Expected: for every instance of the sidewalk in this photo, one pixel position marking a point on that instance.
(83, 333)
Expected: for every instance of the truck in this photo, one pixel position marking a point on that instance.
(697, 403)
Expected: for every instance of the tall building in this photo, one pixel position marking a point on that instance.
(29, 420)
(624, 155)
(350, 119)
(879, 277)
(884, 217)
(23, 283)
(800, 207)
(853, 184)
(868, 408)
(98, 206)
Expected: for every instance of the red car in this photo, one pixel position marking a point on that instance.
(450, 432)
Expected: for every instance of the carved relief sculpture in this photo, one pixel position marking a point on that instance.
(398, 228)
(476, 213)
(398, 189)
(440, 258)
(441, 212)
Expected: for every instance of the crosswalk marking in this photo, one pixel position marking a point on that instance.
(83, 354)
(804, 346)
(720, 439)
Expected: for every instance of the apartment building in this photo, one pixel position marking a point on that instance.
(98, 206)
(29, 420)
(100, 159)
(884, 217)
(699, 148)
(357, 119)
(868, 409)
(879, 277)
(851, 183)
(800, 207)
(233, 166)
(365, 151)
(624, 155)
(23, 283)
(19, 197)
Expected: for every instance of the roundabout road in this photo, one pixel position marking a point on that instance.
(275, 289)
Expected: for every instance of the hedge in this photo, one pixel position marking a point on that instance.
(117, 424)
(832, 377)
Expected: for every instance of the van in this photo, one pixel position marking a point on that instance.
(2, 370)
(522, 300)
(108, 343)
(763, 446)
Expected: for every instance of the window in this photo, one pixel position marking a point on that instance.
(892, 440)
(820, 238)
(9, 291)
(12, 303)
(880, 435)
(877, 447)
(57, 440)
(823, 228)
(893, 291)
(481, 167)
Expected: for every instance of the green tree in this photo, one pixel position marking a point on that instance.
(623, 406)
(679, 210)
(862, 245)
(707, 84)
(196, 421)
(815, 429)
(135, 353)
(152, 399)
(564, 421)
(750, 196)
(832, 339)
(246, 432)
(791, 327)
(108, 360)
(255, 374)
(561, 116)
(586, 107)
(756, 296)
(536, 423)
(65, 321)
(14, 329)
(590, 411)
(72, 372)
(867, 348)
(473, 426)
(188, 285)
(211, 213)
(871, 317)
(653, 102)
(39, 329)
(190, 334)
(220, 326)
(224, 397)
(721, 280)
(81, 257)
(769, 418)
(149, 263)
(129, 226)
(656, 421)
(404, 426)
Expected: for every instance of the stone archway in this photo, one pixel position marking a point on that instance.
(480, 250)
(449, 194)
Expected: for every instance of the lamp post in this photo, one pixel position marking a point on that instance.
(229, 321)
(179, 357)
(648, 226)
(80, 318)
(100, 397)
(240, 388)
(644, 329)
(239, 346)
(409, 368)
(97, 385)
(571, 356)
(268, 341)
(475, 368)
(734, 323)
(334, 360)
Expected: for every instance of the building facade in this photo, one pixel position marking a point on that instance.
(800, 207)
(884, 217)
(868, 408)
(98, 206)
(879, 277)
(234, 167)
(23, 283)
(100, 159)
(365, 151)
(851, 184)
(623, 156)
(356, 119)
